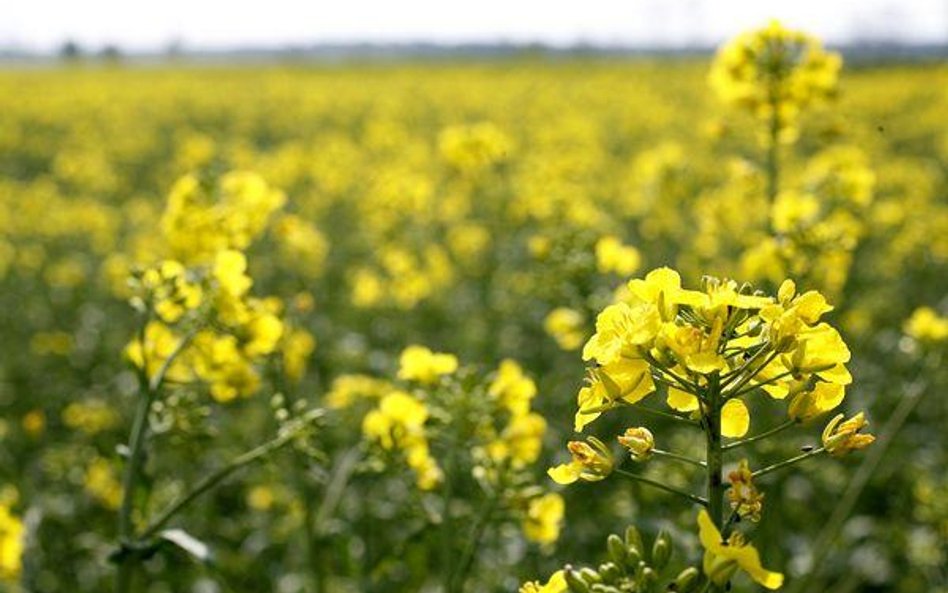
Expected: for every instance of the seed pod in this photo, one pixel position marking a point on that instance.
(687, 580)
(617, 550)
(661, 550)
(633, 539)
(575, 583)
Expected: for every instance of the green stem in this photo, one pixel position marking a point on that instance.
(656, 484)
(678, 457)
(777, 429)
(147, 395)
(714, 455)
(473, 543)
(788, 462)
(223, 473)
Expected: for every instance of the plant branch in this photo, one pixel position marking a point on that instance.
(656, 484)
(788, 462)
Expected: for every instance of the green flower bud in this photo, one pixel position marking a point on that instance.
(617, 550)
(575, 582)
(589, 575)
(661, 550)
(609, 572)
(633, 539)
(687, 580)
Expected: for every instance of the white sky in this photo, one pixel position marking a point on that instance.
(151, 24)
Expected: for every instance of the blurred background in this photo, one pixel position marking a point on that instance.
(478, 178)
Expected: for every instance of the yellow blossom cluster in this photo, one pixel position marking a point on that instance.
(774, 73)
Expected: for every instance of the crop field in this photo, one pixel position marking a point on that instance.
(448, 325)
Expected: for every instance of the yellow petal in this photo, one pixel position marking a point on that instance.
(681, 400)
(749, 561)
(735, 419)
(566, 473)
(708, 534)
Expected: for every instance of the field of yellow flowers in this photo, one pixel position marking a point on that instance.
(330, 328)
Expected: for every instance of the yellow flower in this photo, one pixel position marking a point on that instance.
(723, 558)
(521, 441)
(512, 388)
(298, 345)
(347, 389)
(662, 287)
(639, 441)
(399, 423)
(543, 518)
(11, 544)
(230, 271)
(556, 584)
(100, 481)
(614, 257)
(815, 402)
(418, 363)
(927, 326)
(566, 327)
(839, 438)
(628, 380)
(591, 462)
(263, 333)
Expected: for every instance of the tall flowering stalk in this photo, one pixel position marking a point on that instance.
(708, 352)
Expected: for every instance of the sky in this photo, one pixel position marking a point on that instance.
(43, 25)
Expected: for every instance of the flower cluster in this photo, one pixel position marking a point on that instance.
(662, 334)
(774, 73)
(203, 325)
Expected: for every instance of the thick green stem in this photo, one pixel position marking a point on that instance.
(715, 452)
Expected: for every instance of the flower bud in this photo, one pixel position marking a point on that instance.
(687, 580)
(575, 582)
(633, 539)
(609, 572)
(839, 438)
(617, 550)
(639, 441)
(661, 550)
